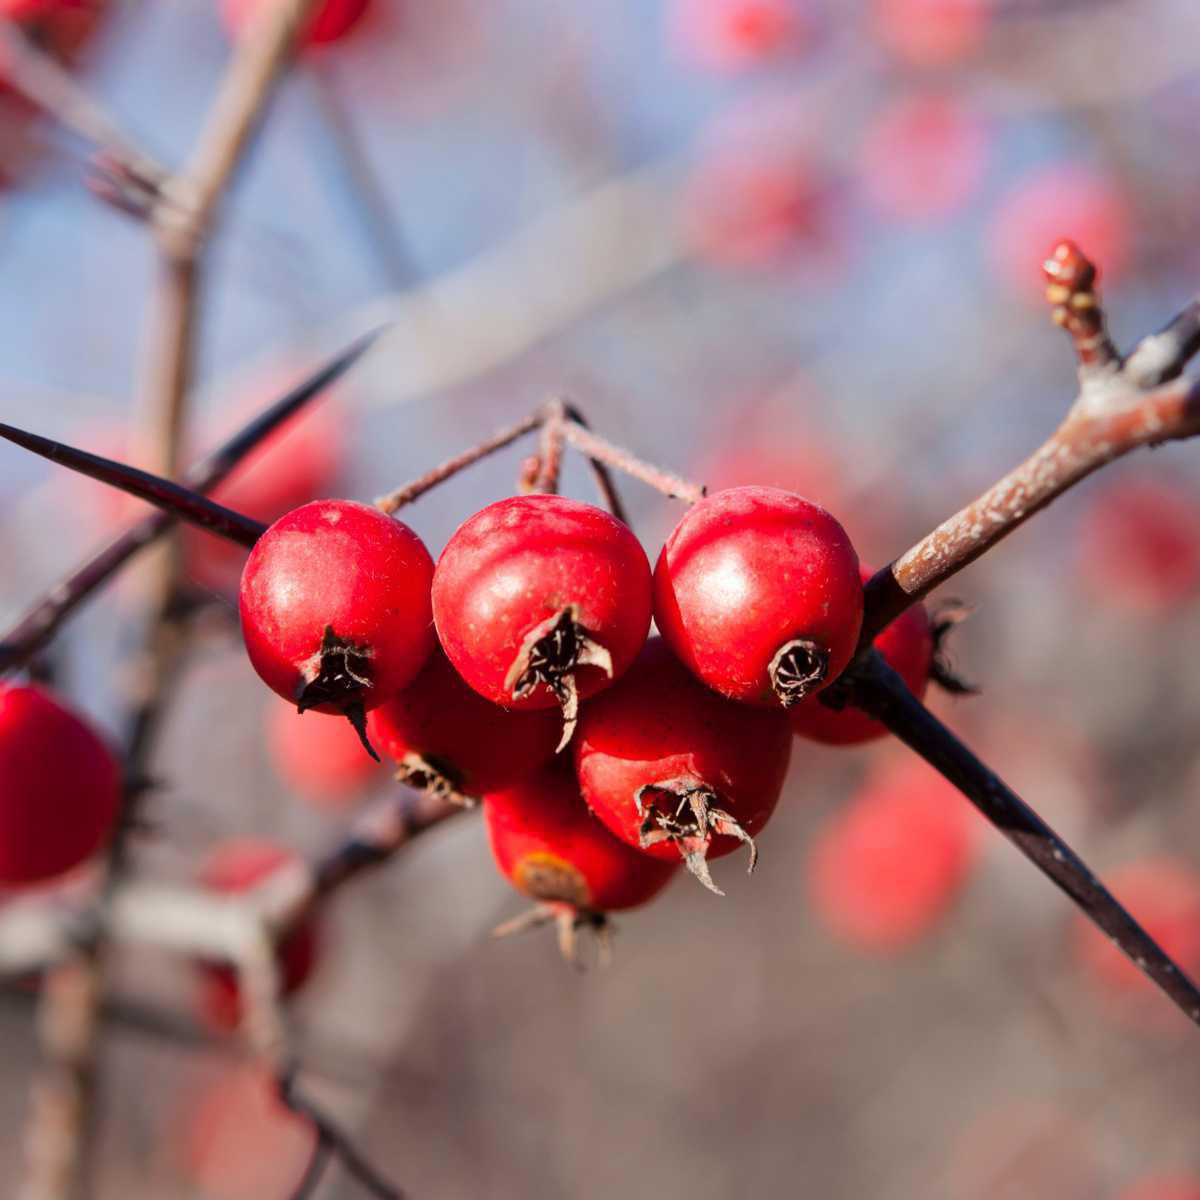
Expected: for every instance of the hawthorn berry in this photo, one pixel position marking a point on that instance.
(449, 740)
(676, 770)
(758, 592)
(335, 607)
(550, 848)
(540, 601)
(908, 645)
(330, 21)
(60, 787)
(319, 759)
(728, 35)
(239, 866)
(1163, 893)
(886, 867)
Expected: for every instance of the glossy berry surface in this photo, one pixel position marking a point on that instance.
(331, 20)
(60, 787)
(1163, 893)
(446, 736)
(549, 847)
(335, 605)
(888, 866)
(658, 736)
(514, 571)
(319, 757)
(907, 645)
(748, 573)
(239, 866)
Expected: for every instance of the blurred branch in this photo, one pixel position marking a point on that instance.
(880, 692)
(1121, 405)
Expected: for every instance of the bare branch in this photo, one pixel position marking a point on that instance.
(880, 692)
(670, 484)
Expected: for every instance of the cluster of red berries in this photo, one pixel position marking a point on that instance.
(531, 633)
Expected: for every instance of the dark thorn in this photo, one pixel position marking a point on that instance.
(171, 497)
(796, 669)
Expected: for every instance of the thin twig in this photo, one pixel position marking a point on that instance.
(38, 625)
(605, 484)
(670, 484)
(880, 692)
(550, 449)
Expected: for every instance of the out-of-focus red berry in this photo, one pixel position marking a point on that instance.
(923, 157)
(889, 865)
(1163, 1187)
(239, 866)
(1139, 546)
(241, 1142)
(1057, 201)
(930, 33)
(1163, 894)
(731, 35)
(331, 20)
(319, 757)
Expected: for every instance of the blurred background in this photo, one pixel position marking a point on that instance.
(786, 241)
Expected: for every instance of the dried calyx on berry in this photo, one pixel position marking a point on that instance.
(541, 601)
(676, 770)
(338, 676)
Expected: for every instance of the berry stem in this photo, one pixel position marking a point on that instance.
(671, 485)
(882, 694)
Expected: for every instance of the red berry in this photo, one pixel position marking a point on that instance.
(1048, 204)
(335, 606)
(239, 866)
(60, 787)
(1163, 894)
(1139, 546)
(540, 600)
(447, 739)
(923, 157)
(330, 21)
(907, 645)
(319, 757)
(550, 848)
(241, 1142)
(929, 32)
(676, 770)
(758, 592)
(1164, 1187)
(729, 35)
(888, 866)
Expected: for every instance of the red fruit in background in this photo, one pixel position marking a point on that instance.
(448, 739)
(676, 770)
(730, 35)
(241, 1142)
(930, 32)
(1139, 546)
(299, 462)
(907, 645)
(335, 606)
(541, 601)
(550, 848)
(887, 866)
(239, 866)
(923, 157)
(60, 787)
(758, 593)
(1163, 894)
(1039, 210)
(330, 21)
(1163, 1187)
(318, 757)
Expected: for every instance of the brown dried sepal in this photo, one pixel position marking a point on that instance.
(568, 921)
(338, 674)
(435, 778)
(684, 812)
(551, 654)
(952, 614)
(798, 668)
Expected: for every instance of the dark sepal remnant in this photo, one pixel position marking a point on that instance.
(798, 667)
(341, 675)
(435, 777)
